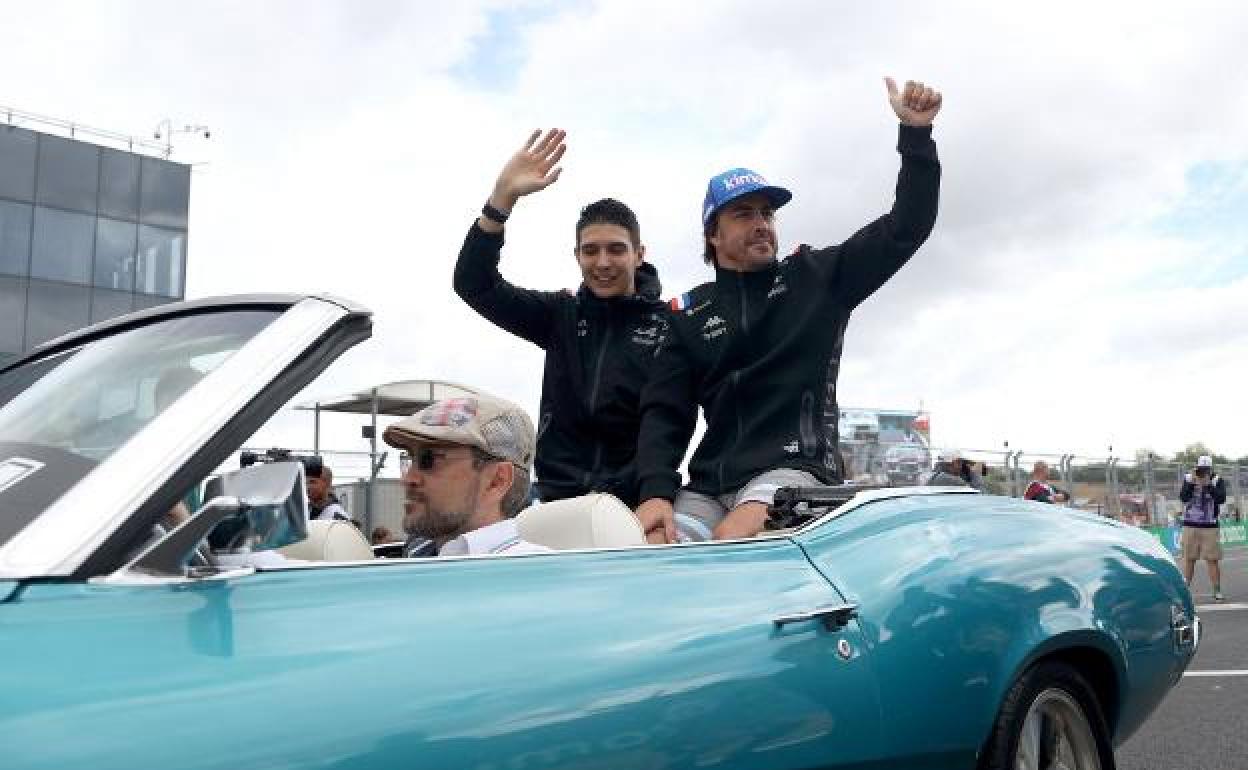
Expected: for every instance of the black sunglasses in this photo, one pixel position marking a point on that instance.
(426, 457)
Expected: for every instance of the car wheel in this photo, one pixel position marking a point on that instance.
(1050, 720)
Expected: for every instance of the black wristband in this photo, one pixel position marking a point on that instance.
(493, 214)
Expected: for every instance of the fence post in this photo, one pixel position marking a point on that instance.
(1112, 506)
(1148, 491)
(1238, 491)
(1016, 475)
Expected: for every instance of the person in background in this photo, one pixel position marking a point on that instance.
(947, 471)
(1040, 490)
(322, 502)
(1202, 495)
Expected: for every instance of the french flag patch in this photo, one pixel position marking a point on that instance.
(680, 303)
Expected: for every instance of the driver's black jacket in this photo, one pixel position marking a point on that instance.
(760, 351)
(599, 354)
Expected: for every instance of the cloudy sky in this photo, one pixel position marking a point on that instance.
(1086, 284)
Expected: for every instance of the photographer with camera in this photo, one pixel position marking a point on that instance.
(1202, 496)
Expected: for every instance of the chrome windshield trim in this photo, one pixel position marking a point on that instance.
(71, 529)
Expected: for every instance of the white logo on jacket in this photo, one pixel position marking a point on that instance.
(646, 335)
(699, 307)
(778, 287)
(714, 327)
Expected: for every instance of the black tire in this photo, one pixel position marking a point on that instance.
(1050, 685)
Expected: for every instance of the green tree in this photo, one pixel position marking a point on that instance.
(1193, 452)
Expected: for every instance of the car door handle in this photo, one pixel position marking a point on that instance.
(833, 616)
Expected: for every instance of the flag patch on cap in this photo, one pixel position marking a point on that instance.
(456, 412)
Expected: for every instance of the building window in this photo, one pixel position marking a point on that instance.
(115, 254)
(107, 304)
(162, 255)
(55, 308)
(69, 173)
(12, 313)
(17, 159)
(14, 237)
(62, 246)
(119, 185)
(165, 193)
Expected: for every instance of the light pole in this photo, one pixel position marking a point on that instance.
(165, 130)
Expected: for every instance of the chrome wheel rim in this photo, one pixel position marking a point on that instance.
(1056, 736)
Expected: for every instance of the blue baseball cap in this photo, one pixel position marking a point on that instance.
(732, 184)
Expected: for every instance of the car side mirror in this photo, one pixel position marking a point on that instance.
(257, 508)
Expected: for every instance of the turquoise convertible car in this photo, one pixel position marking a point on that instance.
(894, 628)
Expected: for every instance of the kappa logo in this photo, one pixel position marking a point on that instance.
(714, 327)
(777, 287)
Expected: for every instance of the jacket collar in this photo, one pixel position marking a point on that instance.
(648, 289)
(733, 280)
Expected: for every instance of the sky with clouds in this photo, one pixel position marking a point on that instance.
(1086, 283)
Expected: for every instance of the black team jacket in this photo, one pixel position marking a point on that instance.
(760, 351)
(599, 354)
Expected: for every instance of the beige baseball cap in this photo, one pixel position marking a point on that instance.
(497, 427)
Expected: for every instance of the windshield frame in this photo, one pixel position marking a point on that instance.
(65, 534)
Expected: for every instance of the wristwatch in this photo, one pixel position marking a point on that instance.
(493, 214)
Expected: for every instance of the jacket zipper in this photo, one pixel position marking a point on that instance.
(745, 309)
(593, 401)
(736, 379)
(736, 410)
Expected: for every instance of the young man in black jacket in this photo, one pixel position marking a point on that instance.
(759, 347)
(600, 342)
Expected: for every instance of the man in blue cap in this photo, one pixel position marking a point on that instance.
(759, 347)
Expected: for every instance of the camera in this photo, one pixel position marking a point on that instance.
(313, 465)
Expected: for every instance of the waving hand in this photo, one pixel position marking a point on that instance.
(532, 168)
(916, 104)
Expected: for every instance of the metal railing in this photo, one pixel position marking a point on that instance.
(74, 130)
(1143, 492)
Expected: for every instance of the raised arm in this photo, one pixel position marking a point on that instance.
(523, 312)
(1187, 490)
(876, 252)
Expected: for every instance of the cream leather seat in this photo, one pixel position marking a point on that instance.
(330, 540)
(590, 521)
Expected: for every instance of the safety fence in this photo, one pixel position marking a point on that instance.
(1144, 493)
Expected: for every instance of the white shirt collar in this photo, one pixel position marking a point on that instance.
(499, 537)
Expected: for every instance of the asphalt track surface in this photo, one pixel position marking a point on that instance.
(1203, 723)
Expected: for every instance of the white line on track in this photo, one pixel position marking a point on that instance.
(1231, 672)
(1221, 607)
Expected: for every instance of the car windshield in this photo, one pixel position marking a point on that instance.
(62, 415)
